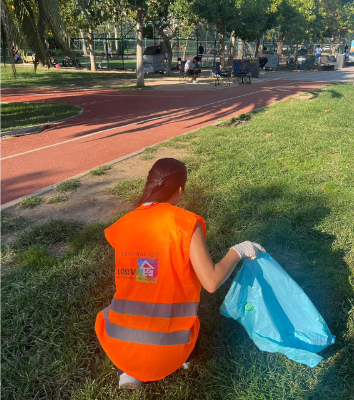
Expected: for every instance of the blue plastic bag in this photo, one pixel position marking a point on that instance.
(275, 311)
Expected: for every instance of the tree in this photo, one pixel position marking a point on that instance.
(223, 15)
(89, 14)
(27, 22)
(160, 13)
(338, 17)
(168, 17)
(298, 20)
(255, 18)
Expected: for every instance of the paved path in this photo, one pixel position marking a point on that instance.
(117, 123)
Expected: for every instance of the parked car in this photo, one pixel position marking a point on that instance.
(326, 47)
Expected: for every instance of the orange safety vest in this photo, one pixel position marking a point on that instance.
(151, 325)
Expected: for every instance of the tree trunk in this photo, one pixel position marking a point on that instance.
(84, 48)
(222, 48)
(139, 49)
(167, 42)
(239, 48)
(185, 47)
(92, 48)
(257, 48)
(280, 47)
(169, 56)
(116, 37)
(334, 46)
(232, 48)
(115, 27)
(12, 61)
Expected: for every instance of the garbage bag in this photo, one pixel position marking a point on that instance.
(275, 311)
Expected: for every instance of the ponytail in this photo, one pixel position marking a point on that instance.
(166, 176)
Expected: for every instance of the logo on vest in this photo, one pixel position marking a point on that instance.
(148, 269)
(125, 273)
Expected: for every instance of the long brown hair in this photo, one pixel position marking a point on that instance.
(165, 177)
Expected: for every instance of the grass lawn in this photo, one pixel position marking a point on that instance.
(284, 179)
(53, 78)
(20, 115)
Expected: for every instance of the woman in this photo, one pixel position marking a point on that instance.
(151, 326)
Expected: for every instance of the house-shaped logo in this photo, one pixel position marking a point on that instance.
(148, 269)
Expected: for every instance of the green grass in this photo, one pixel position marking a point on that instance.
(20, 115)
(128, 190)
(293, 192)
(129, 65)
(10, 223)
(59, 198)
(147, 157)
(30, 202)
(64, 79)
(151, 150)
(101, 170)
(68, 186)
(60, 78)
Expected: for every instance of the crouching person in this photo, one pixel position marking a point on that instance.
(151, 326)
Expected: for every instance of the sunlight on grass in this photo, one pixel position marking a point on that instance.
(59, 198)
(128, 190)
(61, 78)
(30, 202)
(293, 192)
(101, 170)
(68, 186)
(20, 115)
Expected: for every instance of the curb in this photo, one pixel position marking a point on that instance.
(33, 130)
(116, 161)
(30, 130)
(48, 189)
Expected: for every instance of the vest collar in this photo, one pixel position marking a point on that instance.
(147, 205)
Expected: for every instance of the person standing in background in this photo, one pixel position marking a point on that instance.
(318, 52)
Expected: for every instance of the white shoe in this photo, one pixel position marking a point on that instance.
(194, 81)
(128, 382)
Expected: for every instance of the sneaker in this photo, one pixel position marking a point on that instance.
(128, 382)
(194, 81)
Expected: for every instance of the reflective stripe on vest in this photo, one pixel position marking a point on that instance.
(143, 336)
(159, 310)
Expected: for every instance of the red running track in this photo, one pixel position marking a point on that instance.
(117, 123)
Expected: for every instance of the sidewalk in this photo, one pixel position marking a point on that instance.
(205, 82)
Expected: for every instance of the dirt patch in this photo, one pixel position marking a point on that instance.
(91, 202)
(306, 96)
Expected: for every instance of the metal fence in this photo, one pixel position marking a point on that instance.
(115, 46)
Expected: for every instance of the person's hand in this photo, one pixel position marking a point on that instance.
(248, 249)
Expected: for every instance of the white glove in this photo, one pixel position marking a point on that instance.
(248, 249)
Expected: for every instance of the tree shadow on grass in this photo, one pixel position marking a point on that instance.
(284, 220)
(59, 354)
